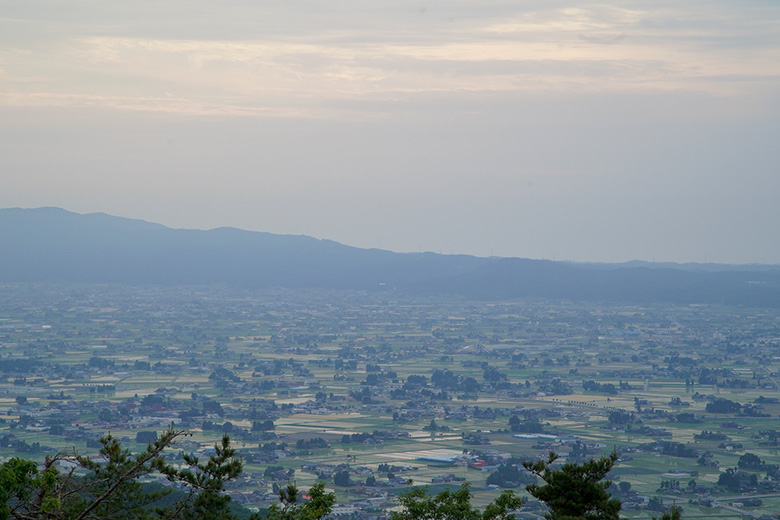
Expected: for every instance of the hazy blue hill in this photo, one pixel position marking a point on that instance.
(512, 277)
(51, 244)
(54, 245)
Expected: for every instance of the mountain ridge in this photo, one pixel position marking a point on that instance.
(55, 245)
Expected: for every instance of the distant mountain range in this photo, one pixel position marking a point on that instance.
(55, 245)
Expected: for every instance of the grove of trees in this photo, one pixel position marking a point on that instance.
(110, 487)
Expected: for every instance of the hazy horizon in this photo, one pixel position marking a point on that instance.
(559, 130)
(395, 251)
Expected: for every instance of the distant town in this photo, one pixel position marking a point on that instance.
(375, 393)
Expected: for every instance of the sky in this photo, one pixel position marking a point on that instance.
(585, 131)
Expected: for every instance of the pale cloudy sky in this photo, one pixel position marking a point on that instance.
(542, 129)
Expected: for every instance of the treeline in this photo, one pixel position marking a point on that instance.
(110, 488)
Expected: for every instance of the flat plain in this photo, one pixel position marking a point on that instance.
(374, 392)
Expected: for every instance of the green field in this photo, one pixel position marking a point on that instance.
(77, 364)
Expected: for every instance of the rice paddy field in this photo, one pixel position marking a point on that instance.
(315, 383)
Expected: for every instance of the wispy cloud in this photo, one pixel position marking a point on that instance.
(564, 48)
(165, 104)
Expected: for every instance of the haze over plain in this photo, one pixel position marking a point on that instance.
(579, 131)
